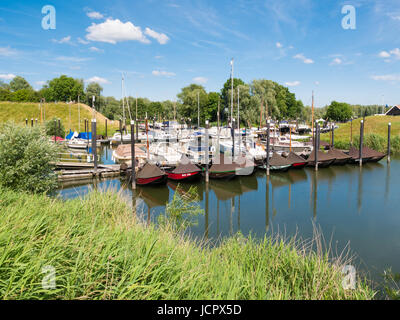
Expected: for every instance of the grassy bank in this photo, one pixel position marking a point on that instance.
(101, 251)
(375, 131)
(18, 112)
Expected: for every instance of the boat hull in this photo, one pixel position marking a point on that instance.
(322, 164)
(376, 159)
(340, 162)
(299, 165)
(152, 181)
(227, 175)
(184, 177)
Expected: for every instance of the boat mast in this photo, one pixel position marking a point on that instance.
(231, 91)
(123, 101)
(198, 109)
(312, 116)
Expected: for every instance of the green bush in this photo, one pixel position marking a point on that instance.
(52, 128)
(25, 159)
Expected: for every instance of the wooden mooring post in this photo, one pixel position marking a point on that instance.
(106, 135)
(361, 141)
(206, 152)
(55, 130)
(316, 145)
(120, 130)
(31, 122)
(26, 121)
(388, 145)
(268, 146)
(94, 144)
(133, 176)
(333, 136)
(233, 138)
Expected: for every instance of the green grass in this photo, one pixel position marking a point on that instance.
(101, 251)
(375, 132)
(18, 112)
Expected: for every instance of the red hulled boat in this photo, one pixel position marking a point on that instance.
(185, 171)
(150, 174)
(298, 162)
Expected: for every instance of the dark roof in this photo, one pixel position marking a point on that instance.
(149, 171)
(277, 160)
(337, 154)
(294, 158)
(222, 166)
(322, 156)
(185, 166)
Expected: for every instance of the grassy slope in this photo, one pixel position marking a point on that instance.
(99, 251)
(18, 112)
(373, 124)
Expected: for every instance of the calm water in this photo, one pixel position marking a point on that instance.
(351, 206)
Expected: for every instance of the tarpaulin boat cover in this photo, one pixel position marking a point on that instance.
(185, 166)
(294, 158)
(85, 135)
(277, 161)
(149, 171)
(223, 166)
(337, 154)
(322, 156)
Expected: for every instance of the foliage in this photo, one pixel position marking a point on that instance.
(26, 155)
(392, 284)
(64, 89)
(339, 111)
(24, 95)
(226, 92)
(19, 83)
(53, 129)
(193, 98)
(93, 89)
(181, 212)
(101, 251)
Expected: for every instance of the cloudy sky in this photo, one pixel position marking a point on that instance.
(164, 45)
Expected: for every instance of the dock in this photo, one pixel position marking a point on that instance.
(68, 171)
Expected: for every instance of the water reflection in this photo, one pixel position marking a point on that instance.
(356, 203)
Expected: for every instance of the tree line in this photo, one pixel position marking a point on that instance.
(257, 100)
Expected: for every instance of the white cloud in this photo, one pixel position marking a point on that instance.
(95, 15)
(159, 73)
(40, 83)
(384, 54)
(292, 84)
(66, 39)
(336, 62)
(386, 77)
(80, 40)
(99, 80)
(158, 57)
(279, 45)
(200, 80)
(8, 76)
(301, 57)
(160, 37)
(95, 49)
(7, 51)
(71, 59)
(395, 53)
(113, 31)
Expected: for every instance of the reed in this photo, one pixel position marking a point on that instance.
(101, 250)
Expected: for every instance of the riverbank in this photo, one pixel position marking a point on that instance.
(100, 250)
(375, 134)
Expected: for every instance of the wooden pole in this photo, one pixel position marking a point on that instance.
(333, 135)
(233, 138)
(351, 132)
(31, 122)
(206, 152)
(312, 117)
(106, 135)
(79, 115)
(316, 146)
(133, 155)
(26, 121)
(94, 144)
(388, 146)
(268, 146)
(55, 130)
(290, 130)
(361, 141)
(120, 130)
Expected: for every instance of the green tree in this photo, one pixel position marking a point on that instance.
(64, 89)
(24, 95)
(26, 157)
(19, 83)
(339, 111)
(94, 89)
(226, 95)
(111, 108)
(52, 128)
(188, 98)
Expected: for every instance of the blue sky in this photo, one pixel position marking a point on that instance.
(165, 45)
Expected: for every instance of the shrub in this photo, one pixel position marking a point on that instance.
(52, 128)
(25, 159)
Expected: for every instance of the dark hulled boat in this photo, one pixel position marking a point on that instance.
(324, 160)
(355, 155)
(376, 156)
(150, 174)
(185, 171)
(223, 169)
(340, 157)
(298, 162)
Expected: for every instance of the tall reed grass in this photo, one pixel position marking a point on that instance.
(99, 249)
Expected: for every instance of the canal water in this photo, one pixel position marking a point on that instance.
(352, 207)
